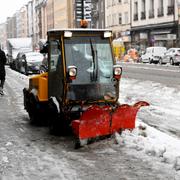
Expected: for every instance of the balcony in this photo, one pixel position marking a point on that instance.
(151, 13)
(170, 10)
(136, 17)
(143, 15)
(160, 12)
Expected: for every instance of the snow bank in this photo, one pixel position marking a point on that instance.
(153, 143)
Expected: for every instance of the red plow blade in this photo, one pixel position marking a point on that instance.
(101, 121)
(124, 116)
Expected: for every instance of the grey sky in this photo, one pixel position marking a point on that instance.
(9, 7)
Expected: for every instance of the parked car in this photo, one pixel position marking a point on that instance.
(172, 56)
(29, 62)
(153, 54)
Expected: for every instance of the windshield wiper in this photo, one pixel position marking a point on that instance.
(94, 73)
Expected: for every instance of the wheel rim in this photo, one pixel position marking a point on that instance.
(160, 61)
(171, 62)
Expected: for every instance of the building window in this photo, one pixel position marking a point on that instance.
(151, 10)
(135, 11)
(126, 18)
(120, 1)
(113, 2)
(143, 12)
(160, 9)
(114, 20)
(120, 18)
(170, 7)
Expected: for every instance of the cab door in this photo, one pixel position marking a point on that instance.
(55, 73)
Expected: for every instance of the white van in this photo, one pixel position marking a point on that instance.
(153, 54)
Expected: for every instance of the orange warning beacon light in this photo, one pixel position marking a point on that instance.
(84, 23)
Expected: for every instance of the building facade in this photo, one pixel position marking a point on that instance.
(98, 14)
(139, 23)
(118, 18)
(63, 14)
(154, 23)
(30, 19)
(11, 30)
(3, 35)
(59, 14)
(22, 22)
(40, 32)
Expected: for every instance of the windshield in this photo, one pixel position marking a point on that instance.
(93, 58)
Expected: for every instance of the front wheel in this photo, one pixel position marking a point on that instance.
(160, 61)
(171, 61)
(33, 112)
(57, 122)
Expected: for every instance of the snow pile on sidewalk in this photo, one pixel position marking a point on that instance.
(152, 143)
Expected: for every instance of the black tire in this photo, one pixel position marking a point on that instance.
(32, 110)
(57, 122)
(171, 61)
(150, 61)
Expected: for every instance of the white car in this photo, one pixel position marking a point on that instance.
(172, 56)
(153, 54)
(29, 62)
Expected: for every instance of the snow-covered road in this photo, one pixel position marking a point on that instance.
(28, 152)
(164, 110)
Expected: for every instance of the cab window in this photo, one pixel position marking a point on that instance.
(54, 54)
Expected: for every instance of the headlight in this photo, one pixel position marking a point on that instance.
(72, 72)
(117, 72)
(68, 34)
(107, 34)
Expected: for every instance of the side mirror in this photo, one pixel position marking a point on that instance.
(72, 72)
(117, 72)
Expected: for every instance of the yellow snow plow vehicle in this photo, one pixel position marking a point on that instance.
(80, 91)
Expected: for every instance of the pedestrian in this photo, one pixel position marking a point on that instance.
(2, 70)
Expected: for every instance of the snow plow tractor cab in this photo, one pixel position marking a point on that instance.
(80, 91)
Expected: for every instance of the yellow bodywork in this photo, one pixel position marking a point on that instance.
(40, 84)
(118, 49)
